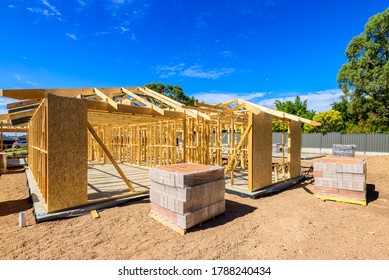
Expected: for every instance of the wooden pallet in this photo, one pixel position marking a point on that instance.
(167, 223)
(341, 199)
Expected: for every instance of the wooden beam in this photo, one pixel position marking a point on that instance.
(110, 157)
(132, 110)
(106, 98)
(23, 103)
(173, 103)
(21, 115)
(209, 106)
(228, 111)
(4, 117)
(144, 101)
(249, 106)
(21, 130)
(1, 137)
(226, 103)
(231, 159)
(161, 97)
(22, 94)
(283, 115)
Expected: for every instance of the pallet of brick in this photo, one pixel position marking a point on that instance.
(3, 163)
(187, 194)
(340, 179)
(343, 150)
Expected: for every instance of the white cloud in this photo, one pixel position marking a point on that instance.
(198, 72)
(48, 10)
(20, 78)
(82, 3)
(201, 21)
(226, 54)
(217, 97)
(168, 71)
(11, 6)
(319, 101)
(51, 7)
(102, 33)
(71, 36)
(121, 29)
(193, 71)
(133, 37)
(245, 11)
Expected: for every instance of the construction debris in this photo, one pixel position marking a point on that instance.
(187, 194)
(341, 179)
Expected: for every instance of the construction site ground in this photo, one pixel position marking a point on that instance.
(292, 224)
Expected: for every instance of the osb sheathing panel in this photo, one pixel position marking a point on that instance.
(67, 153)
(260, 151)
(294, 148)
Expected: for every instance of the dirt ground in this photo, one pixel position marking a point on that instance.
(289, 225)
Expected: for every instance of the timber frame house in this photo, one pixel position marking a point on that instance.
(67, 128)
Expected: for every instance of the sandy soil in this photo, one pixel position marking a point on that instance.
(289, 225)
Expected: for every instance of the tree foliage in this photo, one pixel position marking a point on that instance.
(174, 92)
(297, 108)
(331, 121)
(364, 78)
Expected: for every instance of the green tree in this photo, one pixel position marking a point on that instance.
(364, 78)
(175, 93)
(297, 108)
(331, 121)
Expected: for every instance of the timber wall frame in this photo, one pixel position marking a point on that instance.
(70, 127)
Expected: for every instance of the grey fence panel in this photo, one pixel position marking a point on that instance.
(357, 139)
(364, 142)
(277, 138)
(377, 143)
(329, 139)
(312, 140)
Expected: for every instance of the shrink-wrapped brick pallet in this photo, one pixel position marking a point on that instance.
(343, 150)
(187, 194)
(340, 179)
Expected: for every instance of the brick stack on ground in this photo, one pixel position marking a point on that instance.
(340, 177)
(3, 163)
(343, 150)
(187, 194)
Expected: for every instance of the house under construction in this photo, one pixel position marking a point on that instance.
(71, 129)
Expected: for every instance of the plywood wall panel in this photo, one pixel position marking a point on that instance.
(67, 153)
(294, 148)
(260, 151)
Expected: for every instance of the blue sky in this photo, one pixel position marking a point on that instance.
(216, 50)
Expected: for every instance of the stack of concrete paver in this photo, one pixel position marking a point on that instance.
(187, 194)
(343, 150)
(3, 163)
(340, 177)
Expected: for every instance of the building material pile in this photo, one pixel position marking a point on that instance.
(343, 150)
(187, 194)
(3, 163)
(340, 179)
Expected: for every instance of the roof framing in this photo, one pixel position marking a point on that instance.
(137, 101)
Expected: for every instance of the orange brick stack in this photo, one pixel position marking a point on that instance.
(340, 177)
(187, 194)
